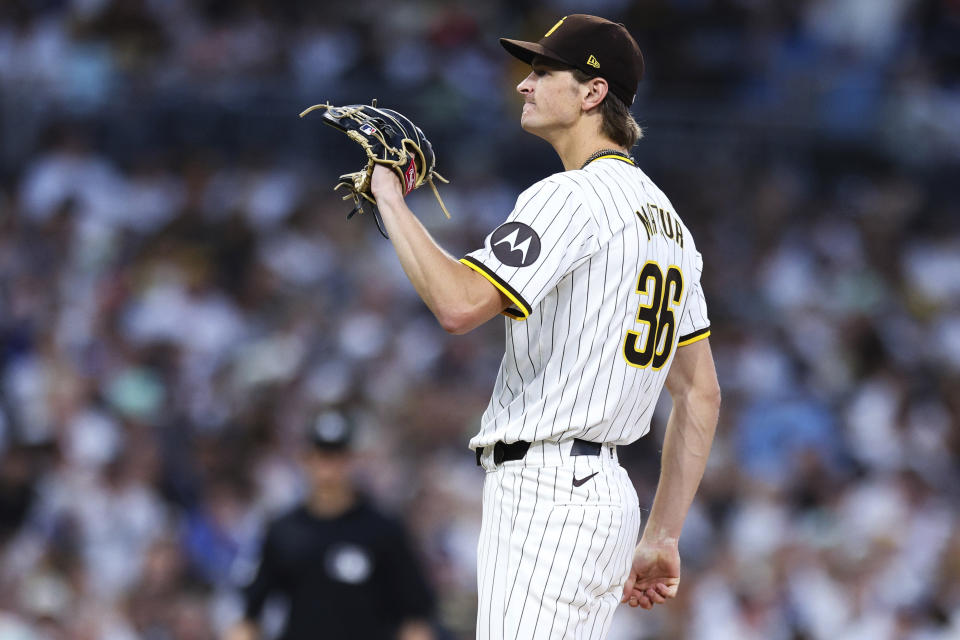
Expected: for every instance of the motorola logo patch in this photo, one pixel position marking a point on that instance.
(515, 244)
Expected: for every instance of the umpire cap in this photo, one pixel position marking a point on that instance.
(331, 431)
(593, 45)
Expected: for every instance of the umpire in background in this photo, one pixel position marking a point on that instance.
(347, 570)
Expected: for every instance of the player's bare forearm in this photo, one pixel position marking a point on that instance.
(655, 573)
(460, 298)
(692, 383)
(685, 450)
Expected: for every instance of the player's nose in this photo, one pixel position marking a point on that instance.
(526, 86)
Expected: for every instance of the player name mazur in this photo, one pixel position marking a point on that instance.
(658, 220)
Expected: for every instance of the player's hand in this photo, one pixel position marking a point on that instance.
(385, 184)
(388, 139)
(654, 575)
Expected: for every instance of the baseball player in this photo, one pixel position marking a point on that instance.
(599, 280)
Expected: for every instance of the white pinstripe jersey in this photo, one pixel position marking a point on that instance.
(604, 278)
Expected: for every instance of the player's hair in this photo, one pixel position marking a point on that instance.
(618, 123)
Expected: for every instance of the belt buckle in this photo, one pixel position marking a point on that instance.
(499, 452)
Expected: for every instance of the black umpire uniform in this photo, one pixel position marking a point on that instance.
(350, 574)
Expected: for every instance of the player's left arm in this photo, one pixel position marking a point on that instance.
(692, 383)
(460, 298)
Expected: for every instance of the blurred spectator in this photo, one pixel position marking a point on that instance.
(178, 288)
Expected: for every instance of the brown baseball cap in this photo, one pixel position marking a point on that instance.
(594, 45)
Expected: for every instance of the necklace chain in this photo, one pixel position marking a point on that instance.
(605, 152)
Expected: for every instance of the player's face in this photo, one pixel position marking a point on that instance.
(551, 99)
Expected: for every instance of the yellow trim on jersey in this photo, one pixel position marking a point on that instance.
(510, 313)
(695, 338)
(618, 157)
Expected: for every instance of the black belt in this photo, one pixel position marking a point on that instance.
(503, 452)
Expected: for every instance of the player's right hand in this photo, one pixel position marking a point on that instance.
(654, 575)
(385, 184)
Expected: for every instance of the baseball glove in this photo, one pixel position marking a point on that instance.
(388, 138)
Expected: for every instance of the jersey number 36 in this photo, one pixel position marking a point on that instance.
(657, 314)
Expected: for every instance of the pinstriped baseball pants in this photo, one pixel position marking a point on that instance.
(553, 557)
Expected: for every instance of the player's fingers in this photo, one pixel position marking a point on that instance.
(638, 599)
(654, 597)
(642, 584)
(628, 587)
(667, 592)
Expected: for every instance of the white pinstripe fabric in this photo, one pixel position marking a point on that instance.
(553, 557)
(563, 373)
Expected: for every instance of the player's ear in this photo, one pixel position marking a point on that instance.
(597, 90)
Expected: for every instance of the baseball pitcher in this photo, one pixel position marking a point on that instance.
(599, 281)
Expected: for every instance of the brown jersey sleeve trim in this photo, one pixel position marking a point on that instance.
(501, 284)
(690, 338)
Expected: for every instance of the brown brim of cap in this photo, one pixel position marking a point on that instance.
(527, 51)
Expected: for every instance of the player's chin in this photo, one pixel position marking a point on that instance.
(529, 124)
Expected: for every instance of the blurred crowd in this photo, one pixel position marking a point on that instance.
(179, 293)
